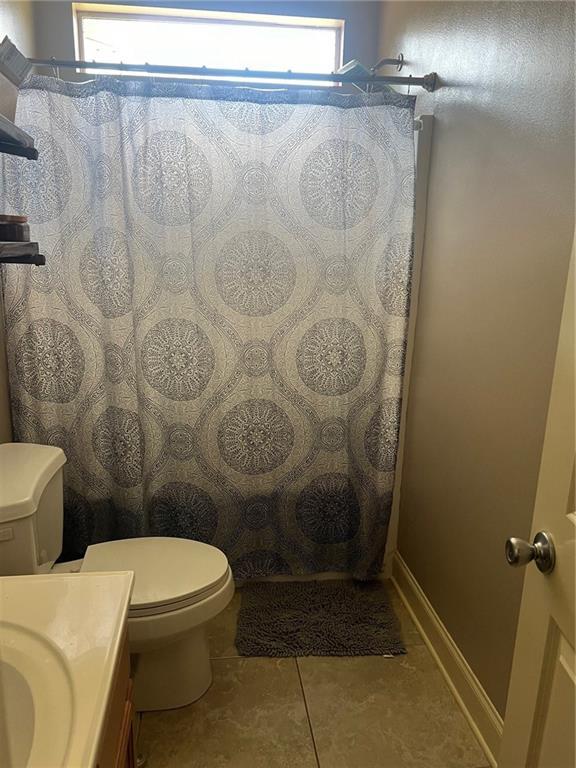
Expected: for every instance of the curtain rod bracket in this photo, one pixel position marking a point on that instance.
(430, 82)
(398, 62)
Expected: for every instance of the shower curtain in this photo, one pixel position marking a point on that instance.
(217, 339)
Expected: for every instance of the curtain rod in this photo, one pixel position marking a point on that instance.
(428, 82)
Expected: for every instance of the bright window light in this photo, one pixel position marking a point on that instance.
(134, 35)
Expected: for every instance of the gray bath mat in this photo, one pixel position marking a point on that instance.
(317, 618)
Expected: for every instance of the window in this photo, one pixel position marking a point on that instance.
(137, 35)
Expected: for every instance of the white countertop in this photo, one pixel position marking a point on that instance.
(60, 638)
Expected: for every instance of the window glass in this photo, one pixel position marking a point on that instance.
(223, 41)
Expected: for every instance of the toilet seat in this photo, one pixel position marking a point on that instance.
(169, 573)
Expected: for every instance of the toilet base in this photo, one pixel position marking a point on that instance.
(174, 675)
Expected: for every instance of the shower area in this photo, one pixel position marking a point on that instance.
(218, 338)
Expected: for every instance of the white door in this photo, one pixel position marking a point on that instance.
(539, 727)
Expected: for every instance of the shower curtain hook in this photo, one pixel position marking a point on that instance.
(55, 69)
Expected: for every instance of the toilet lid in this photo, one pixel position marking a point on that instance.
(166, 570)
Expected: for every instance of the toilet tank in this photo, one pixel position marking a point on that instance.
(31, 507)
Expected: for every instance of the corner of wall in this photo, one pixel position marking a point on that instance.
(478, 709)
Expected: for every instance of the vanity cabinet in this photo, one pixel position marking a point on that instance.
(117, 741)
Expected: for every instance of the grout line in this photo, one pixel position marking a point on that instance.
(307, 713)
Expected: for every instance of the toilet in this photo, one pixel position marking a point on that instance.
(179, 584)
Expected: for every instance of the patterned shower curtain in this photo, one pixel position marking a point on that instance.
(217, 339)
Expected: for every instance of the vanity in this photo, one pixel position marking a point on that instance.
(65, 689)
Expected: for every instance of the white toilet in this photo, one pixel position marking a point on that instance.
(179, 584)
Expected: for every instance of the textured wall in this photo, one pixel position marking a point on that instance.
(16, 22)
(499, 231)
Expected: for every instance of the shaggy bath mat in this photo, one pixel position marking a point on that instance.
(317, 618)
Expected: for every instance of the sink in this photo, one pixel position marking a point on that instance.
(60, 636)
(33, 675)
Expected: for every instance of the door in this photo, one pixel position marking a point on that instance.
(540, 716)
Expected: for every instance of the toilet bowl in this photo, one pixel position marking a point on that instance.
(179, 584)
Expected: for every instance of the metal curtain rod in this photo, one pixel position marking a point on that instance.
(428, 82)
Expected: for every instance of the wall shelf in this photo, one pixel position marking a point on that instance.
(8, 148)
(20, 253)
(15, 141)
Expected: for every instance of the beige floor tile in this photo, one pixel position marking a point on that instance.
(374, 712)
(409, 632)
(222, 630)
(253, 716)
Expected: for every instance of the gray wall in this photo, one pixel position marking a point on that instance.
(500, 225)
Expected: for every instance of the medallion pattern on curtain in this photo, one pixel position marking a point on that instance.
(217, 339)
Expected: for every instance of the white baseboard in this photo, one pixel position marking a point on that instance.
(478, 710)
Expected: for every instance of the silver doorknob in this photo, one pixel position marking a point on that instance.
(521, 552)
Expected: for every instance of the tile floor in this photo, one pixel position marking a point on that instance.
(361, 712)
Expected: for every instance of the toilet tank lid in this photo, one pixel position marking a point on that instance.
(25, 471)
